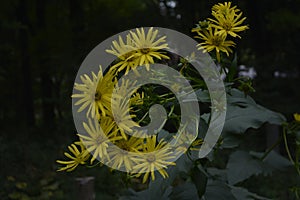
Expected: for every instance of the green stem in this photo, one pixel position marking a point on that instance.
(270, 149)
(287, 147)
(91, 166)
(143, 117)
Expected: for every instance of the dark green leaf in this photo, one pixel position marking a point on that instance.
(186, 191)
(243, 113)
(244, 194)
(241, 166)
(200, 180)
(218, 190)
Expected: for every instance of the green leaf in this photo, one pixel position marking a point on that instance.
(242, 193)
(241, 166)
(273, 161)
(186, 191)
(218, 190)
(199, 178)
(217, 174)
(243, 113)
(230, 141)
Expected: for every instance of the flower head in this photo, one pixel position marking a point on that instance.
(154, 156)
(227, 20)
(213, 41)
(140, 49)
(80, 156)
(95, 92)
(148, 46)
(125, 53)
(224, 8)
(98, 137)
(120, 154)
(121, 116)
(297, 117)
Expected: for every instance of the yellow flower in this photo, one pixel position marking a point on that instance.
(185, 141)
(122, 110)
(148, 46)
(153, 157)
(121, 155)
(98, 137)
(140, 49)
(227, 20)
(297, 117)
(95, 92)
(121, 116)
(78, 157)
(195, 144)
(224, 8)
(213, 41)
(125, 53)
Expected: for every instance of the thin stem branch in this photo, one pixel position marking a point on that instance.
(270, 149)
(287, 147)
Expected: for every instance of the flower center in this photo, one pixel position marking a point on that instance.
(97, 96)
(123, 145)
(99, 140)
(117, 119)
(217, 40)
(145, 50)
(151, 158)
(227, 26)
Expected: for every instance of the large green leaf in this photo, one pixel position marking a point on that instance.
(272, 162)
(237, 192)
(243, 113)
(242, 165)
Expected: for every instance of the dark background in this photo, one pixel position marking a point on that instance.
(43, 43)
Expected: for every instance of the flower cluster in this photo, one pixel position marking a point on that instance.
(214, 32)
(109, 115)
(109, 133)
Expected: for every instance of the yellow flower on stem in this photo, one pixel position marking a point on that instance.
(121, 153)
(228, 21)
(153, 157)
(224, 8)
(148, 46)
(297, 117)
(121, 111)
(125, 53)
(213, 41)
(121, 116)
(95, 92)
(96, 141)
(140, 49)
(80, 156)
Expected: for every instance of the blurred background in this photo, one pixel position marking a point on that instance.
(43, 43)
